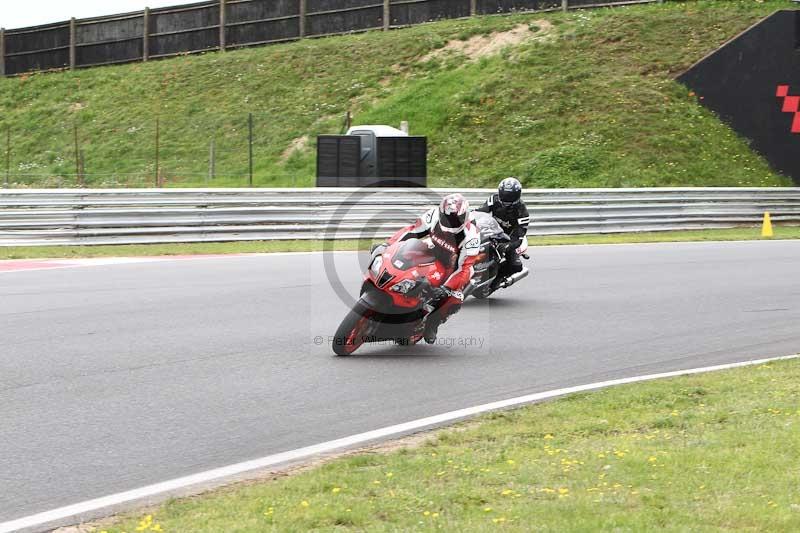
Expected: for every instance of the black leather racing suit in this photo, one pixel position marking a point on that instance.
(514, 220)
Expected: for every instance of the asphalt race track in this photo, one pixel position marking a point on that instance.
(115, 377)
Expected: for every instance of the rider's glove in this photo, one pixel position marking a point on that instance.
(438, 294)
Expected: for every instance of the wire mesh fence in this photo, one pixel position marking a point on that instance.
(237, 151)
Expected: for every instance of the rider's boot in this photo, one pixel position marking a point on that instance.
(432, 329)
(438, 317)
(497, 282)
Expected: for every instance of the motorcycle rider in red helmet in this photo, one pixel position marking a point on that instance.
(456, 243)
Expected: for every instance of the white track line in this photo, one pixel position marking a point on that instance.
(216, 474)
(61, 264)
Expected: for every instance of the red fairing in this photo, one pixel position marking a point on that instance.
(460, 278)
(427, 268)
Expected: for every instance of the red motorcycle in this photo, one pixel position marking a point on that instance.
(392, 305)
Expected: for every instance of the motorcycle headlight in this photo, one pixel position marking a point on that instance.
(403, 287)
(377, 263)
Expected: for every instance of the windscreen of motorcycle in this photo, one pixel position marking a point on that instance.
(488, 226)
(413, 253)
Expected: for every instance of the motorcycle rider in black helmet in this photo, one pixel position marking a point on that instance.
(507, 207)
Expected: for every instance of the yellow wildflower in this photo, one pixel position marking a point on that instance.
(336, 490)
(304, 503)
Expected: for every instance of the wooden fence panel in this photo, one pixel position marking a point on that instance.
(178, 31)
(262, 21)
(104, 41)
(37, 39)
(200, 27)
(258, 10)
(118, 52)
(34, 49)
(180, 43)
(105, 30)
(263, 32)
(54, 59)
(489, 7)
(327, 17)
(168, 20)
(407, 12)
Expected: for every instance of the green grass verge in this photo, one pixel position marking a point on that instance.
(713, 452)
(200, 248)
(42, 252)
(589, 101)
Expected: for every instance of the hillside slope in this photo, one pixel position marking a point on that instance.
(585, 99)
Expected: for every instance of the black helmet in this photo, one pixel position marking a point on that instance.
(509, 191)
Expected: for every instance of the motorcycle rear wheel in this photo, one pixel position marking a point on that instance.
(483, 292)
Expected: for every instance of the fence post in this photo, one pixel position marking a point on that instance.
(146, 35)
(302, 21)
(73, 56)
(212, 160)
(250, 126)
(387, 15)
(82, 170)
(564, 5)
(158, 140)
(473, 8)
(8, 155)
(77, 152)
(223, 21)
(2, 51)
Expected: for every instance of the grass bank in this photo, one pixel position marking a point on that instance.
(42, 252)
(587, 99)
(712, 452)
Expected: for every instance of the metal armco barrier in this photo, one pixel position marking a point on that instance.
(132, 216)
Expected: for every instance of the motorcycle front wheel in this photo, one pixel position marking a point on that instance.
(354, 330)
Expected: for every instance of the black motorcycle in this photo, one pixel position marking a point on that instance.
(492, 256)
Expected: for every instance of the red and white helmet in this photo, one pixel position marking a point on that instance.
(453, 212)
